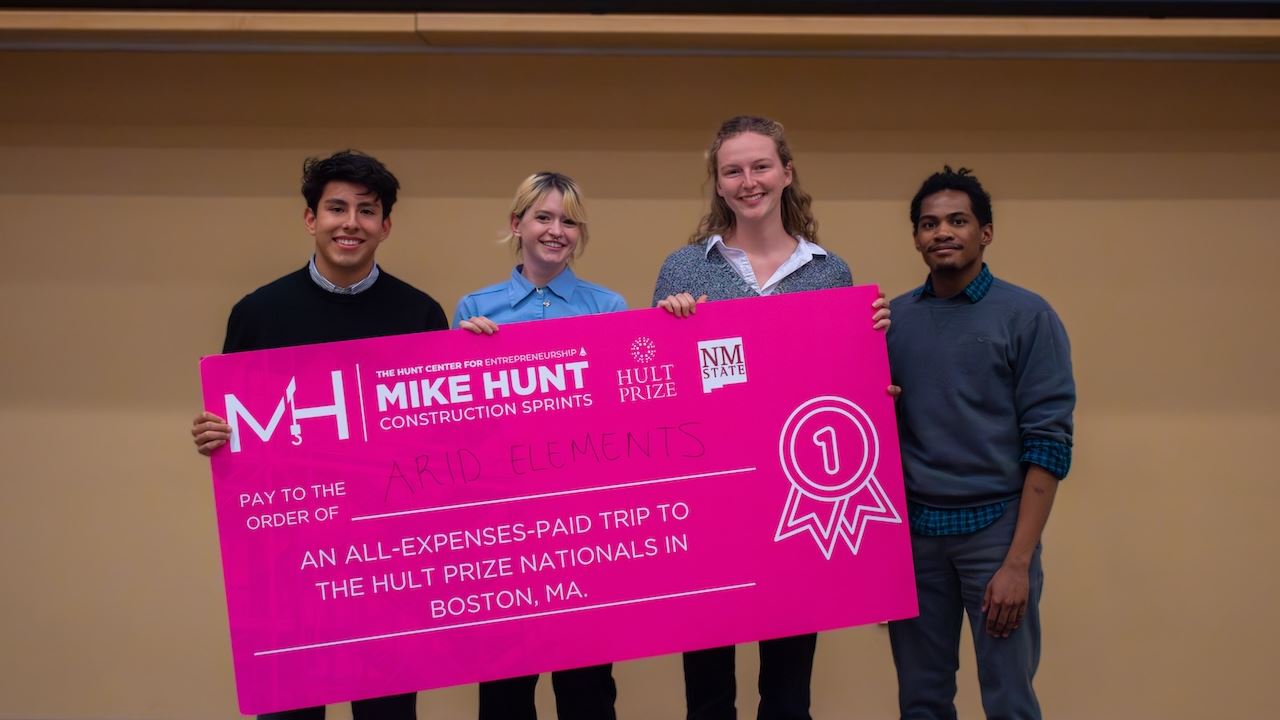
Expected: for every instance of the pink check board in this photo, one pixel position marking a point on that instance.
(418, 511)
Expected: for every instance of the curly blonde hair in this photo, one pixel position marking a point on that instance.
(797, 213)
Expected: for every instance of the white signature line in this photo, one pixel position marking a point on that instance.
(499, 501)
(423, 631)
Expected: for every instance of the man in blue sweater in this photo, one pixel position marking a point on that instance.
(985, 426)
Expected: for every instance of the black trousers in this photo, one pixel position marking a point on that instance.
(786, 664)
(581, 694)
(392, 707)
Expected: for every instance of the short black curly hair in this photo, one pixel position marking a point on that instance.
(962, 180)
(350, 166)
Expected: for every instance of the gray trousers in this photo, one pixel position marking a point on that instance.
(952, 573)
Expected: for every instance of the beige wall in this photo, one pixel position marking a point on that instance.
(142, 194)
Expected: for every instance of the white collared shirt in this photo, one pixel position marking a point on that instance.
(738, 260)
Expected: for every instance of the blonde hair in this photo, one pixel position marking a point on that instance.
(532, 191)
(797, 215)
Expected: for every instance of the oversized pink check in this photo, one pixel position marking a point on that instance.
(417, 511)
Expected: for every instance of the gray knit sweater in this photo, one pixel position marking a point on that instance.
(693, 270)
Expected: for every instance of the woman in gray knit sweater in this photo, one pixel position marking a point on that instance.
(758, 238)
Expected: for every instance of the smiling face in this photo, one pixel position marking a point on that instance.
(948, 235)
(548, 237)
(750, 177)
(348, 227)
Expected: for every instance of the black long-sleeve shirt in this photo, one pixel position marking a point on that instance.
(293, 310)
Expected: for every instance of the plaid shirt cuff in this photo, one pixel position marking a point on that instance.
(1048, 454)
(937, 522)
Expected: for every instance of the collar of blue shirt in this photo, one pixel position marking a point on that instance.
(975, 290)
(519, 287)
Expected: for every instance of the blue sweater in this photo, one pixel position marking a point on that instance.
(986, 387)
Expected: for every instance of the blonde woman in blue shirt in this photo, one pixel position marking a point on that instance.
(548, 229)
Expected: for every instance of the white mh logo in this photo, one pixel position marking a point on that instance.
(236, 411)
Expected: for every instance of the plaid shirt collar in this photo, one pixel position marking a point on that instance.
(356, 289)
(975, 290)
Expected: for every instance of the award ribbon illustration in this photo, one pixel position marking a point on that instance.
(829, 450)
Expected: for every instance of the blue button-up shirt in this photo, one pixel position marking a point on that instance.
(517, 300)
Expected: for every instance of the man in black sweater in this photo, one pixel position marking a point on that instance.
(341, 295)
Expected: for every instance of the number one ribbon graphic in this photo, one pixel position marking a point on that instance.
(829, 450)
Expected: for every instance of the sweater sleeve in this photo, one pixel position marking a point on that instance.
(1045, 393)
(238, 337)
(844, 276)
(670, 279)
(436, 319)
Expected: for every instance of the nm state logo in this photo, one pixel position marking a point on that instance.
(723, 363)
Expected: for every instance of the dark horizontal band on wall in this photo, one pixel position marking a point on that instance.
(1039, 8)
(801, 35)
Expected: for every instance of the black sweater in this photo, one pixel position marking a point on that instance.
(295, 311)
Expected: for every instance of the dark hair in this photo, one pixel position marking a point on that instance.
(961, 180)
(797, 215)
(350, 166)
